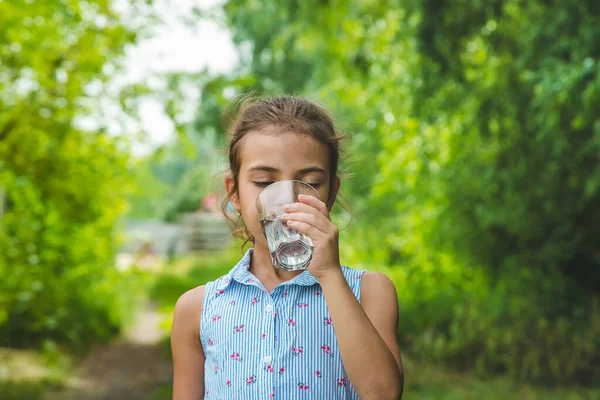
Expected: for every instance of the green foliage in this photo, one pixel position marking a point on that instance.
(175, 178)
(65, 187)
(503, 173)
(147, 198)
(190, 191)
(521, 178)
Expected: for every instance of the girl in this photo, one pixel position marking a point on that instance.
(260, 332)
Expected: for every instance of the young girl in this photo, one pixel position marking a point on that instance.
(260, 332)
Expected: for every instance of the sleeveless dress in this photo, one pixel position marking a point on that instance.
(278, 345)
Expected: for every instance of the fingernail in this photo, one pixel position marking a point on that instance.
(287, 206)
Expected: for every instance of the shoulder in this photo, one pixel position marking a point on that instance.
(192, 298)
(189, 306)
(377, 288)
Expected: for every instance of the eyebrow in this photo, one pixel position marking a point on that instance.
(265, 168)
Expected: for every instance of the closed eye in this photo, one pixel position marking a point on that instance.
(262, 184)
(315, 185)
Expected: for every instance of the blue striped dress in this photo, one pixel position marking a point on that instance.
(278, 345)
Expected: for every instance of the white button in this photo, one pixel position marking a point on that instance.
(267, 359)
(269, 308)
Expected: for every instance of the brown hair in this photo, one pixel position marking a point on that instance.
(289, 114)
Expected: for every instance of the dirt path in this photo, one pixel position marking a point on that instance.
(133, 367)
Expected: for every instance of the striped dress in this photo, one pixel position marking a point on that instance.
(278, 345)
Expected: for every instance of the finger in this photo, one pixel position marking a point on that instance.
(322, 220)
(317, 220)
(305, 228)
(306, 208)
(315, 202)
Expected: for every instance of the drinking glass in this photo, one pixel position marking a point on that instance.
(290, 250)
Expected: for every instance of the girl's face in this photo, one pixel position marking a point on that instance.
(268, 156)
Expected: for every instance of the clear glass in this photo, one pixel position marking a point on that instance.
(290, 250)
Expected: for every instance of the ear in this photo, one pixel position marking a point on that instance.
(230, 189)
(333, 192)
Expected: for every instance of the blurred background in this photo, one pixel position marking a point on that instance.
(473, 157)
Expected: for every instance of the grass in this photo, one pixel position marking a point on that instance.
(34, 373)
(428, 382)
(28, 374)
(18, 390)
(423, 380)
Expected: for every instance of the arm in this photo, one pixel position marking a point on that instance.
(367, 334)
(188, 357)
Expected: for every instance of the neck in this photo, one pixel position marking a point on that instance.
(262, 268)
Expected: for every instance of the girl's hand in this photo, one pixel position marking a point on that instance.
(311, 217)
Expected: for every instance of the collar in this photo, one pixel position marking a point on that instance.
(241, 275)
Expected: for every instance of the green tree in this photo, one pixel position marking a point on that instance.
(65, 186)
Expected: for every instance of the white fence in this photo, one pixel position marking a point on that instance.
(153, 237)
(204, 231)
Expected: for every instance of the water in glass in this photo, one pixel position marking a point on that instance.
(290, 250)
